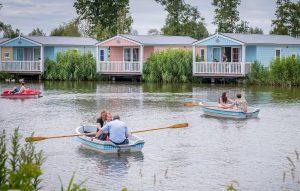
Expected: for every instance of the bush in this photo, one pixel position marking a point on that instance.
(172, 65)
(71, 65)
(259, 74)
(285, 71)
(5, 75)
(20, 168)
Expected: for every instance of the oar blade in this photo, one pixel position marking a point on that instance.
(180, 125)
(31, 139)
(190, 104)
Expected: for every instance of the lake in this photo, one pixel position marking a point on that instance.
(210, 154)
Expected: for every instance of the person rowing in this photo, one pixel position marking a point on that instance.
(239, 103)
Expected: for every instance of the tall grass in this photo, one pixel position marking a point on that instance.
(172, 65)
(285, 71)
(282, 72)
(71, 65)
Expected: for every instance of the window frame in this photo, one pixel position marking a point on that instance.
(276, 49)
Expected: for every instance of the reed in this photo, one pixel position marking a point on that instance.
(169, 66)
(259, 74)
(71, 65)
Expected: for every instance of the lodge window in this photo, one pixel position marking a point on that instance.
(101, 55)
(202, 54)
(131, 54)
(235, 54)
(6, 55)
(294, 55)
(277, 53)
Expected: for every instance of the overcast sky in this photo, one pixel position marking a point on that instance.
(146, 14)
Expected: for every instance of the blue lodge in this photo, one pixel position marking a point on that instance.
(26, 54)
(231, 55)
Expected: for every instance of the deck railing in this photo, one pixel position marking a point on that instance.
(116, 67)
(221, 68)
(21, 66)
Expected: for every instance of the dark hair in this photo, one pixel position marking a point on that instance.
(23, 83)
(224, 97)
(116, 117)
(238, 95)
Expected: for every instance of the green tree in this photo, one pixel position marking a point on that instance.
(242, 27)
(37, 32)
(69, 29)
(183, 19)
(104, 18)
(287, 20)
(255, 30)
(226, 15)
(153, 32)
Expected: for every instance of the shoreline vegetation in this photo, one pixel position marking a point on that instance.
(169, 66)
(20, 167)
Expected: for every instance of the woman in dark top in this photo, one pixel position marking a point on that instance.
(101, 120)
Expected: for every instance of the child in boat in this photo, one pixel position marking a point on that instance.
(239, 103)
(224, 101)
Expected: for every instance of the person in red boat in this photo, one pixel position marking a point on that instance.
(19, 90)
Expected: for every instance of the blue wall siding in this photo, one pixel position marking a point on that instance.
(51, 52)
(250, 53)
(222, 42)
(20, 43)
(265, 54)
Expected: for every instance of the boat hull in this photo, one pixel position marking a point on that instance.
(25, 95)
(136, 144)
(214, 111)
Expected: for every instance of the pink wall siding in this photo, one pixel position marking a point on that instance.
(117, 41)
(116, 52)
(148, 50)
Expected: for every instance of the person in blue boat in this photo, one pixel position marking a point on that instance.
(239, 103)
(117, 129)
(224, 101)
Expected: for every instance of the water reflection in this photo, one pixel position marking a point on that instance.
(114, 165)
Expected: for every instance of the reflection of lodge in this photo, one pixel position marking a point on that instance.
(117, 95)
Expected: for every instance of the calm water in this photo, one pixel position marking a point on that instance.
(208, 155)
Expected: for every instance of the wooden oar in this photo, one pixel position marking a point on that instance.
(195, 104)
(30, 139)
(180, 125)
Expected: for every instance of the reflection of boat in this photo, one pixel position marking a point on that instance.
(211, 109)
(25, 94)
(135, 143)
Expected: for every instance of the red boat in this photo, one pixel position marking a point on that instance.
(25, 94)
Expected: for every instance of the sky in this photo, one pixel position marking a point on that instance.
(147, 14)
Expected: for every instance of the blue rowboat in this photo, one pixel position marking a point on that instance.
(212, 109)
(135, 144)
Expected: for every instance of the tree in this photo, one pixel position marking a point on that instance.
(104, 18)
(37, 32)
(242, 27)
(287, 20)
(226, 15)
(255, 30)
(69, 29)
(153, 32)
(8, 32)
(183, 19)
